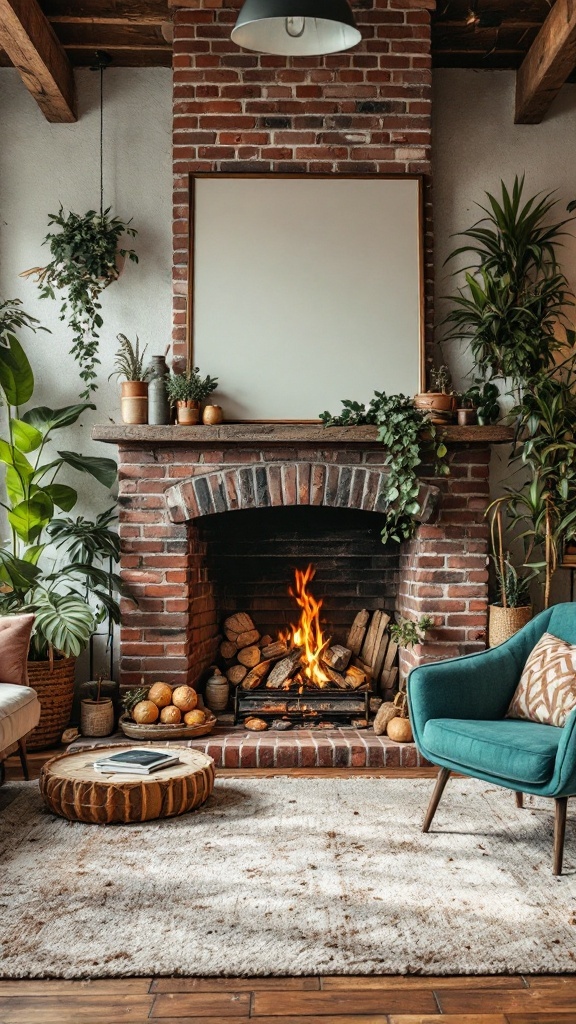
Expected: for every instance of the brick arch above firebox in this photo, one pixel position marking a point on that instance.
(274, 484)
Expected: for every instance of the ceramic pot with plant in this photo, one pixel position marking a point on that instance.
(483, 398)
(439, 401)
(186, 391)
(129, 364)
(466, 411)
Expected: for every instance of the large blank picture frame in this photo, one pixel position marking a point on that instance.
(305, 290)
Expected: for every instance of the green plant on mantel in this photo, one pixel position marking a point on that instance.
(129, 362)
(515, 292)
(189, 386)
(86, 259)
(407, 437)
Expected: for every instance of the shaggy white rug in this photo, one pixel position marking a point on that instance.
(289, 876)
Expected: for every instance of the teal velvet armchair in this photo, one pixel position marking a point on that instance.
(458, 710)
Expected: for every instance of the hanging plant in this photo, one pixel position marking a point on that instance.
(86, 258)
(408, 437)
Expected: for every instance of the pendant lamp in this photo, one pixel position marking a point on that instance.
(296, 28)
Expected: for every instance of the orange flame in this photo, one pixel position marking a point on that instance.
(308, 633)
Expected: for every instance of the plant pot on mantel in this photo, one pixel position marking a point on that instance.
(188, 413)
(438, 406)
(505, 622)
(54, 685)
(134, 401)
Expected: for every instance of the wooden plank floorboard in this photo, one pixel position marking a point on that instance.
(202, 1004)
(530, 1000)
(362, 983)
(326, 1003)
(74, 1009)
(102, 986)
(475, 1018)
(233, 984)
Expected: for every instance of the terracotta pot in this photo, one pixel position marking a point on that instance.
(505, 622)
(134, 401)
(212, 415)
(438, 407)
(97, 717)
(188, 413)
(467, 417)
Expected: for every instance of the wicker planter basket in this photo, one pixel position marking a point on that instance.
(96, 717)
(504, 622)
(55, 688)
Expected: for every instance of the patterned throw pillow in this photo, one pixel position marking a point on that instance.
(547, 689)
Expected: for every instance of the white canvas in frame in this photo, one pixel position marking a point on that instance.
(306, 291)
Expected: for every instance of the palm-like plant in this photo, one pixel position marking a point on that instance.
(515, 292)
(129, 362)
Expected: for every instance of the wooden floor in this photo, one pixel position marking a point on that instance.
(311, 1000)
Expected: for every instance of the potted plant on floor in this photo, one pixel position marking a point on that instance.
(439, 401)
(69, 597)
(97, 713)
(129, 363)
(87, 257)
(186, 391)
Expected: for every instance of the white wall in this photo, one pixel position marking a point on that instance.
(43, 165)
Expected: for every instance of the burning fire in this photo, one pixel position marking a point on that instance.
(308, 633)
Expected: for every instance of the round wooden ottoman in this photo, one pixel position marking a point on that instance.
(71, 787)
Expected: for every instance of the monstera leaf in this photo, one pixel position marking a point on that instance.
(65, 620)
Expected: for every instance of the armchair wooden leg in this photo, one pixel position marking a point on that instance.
(519, 799)
(23, 758)
(443, 776)
(561, 803)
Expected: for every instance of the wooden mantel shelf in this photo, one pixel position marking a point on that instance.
(243, 434)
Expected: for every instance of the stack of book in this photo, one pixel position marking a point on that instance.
(136, 762)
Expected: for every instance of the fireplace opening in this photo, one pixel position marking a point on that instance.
(287, 586)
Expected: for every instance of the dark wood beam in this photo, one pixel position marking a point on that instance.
(548, 63)
(30, 42)
(106, 11)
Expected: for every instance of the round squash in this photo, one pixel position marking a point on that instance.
(161, 694)
(400, 730)
(145, 712)
(185, 698)
(197, 717)
(170, 715)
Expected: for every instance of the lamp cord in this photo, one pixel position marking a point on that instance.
(101, 140)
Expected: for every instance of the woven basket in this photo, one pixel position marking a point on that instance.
(97, 717)
(504, 622)
(55, 689)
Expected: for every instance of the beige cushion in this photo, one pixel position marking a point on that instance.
(15, 631)
(19, 713)
(547, 689)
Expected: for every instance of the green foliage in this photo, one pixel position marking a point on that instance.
(440, 380)
(69, 597)
(13, 318)
(515, 585)
(407, 633)
(407, 437)
(133, 697)
(515, 292)
(189, 386)
(129, 360)
(85, 253)
(484, 397)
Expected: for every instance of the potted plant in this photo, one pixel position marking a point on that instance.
(97, 713)
(129, 364)
(512, 608)
(68, 596)
(86, 258)
(439, 401)
(481, 400)
(186, 391)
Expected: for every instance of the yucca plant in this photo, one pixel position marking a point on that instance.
(515, 292)
(129, 362)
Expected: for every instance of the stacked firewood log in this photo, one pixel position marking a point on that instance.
(366, 660)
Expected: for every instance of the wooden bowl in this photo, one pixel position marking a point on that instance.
(159, 731)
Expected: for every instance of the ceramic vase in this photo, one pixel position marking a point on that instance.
(134, 401)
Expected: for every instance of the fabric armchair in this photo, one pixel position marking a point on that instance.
(19, 705)
(458, 709)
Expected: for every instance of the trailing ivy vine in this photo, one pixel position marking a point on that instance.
(408, 438)
(84, 262)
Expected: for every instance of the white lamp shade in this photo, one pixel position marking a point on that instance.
(296, 28)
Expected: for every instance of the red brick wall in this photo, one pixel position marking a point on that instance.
(361, 112)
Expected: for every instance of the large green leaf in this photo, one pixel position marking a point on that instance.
(32, 554)
(64, 497)
(25, 437)
(16, 572)
(45, 419)
(30, 516)
(14, 486)
(103, 470)
(65, 620)
(16, 377)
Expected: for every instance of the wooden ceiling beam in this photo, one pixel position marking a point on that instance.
(32, 45)
(547, 65)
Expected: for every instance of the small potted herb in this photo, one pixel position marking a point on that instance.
(439, 401)
(186, 391)
(129, 364)
(97, 713)
(483, 398)
(466, 411)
